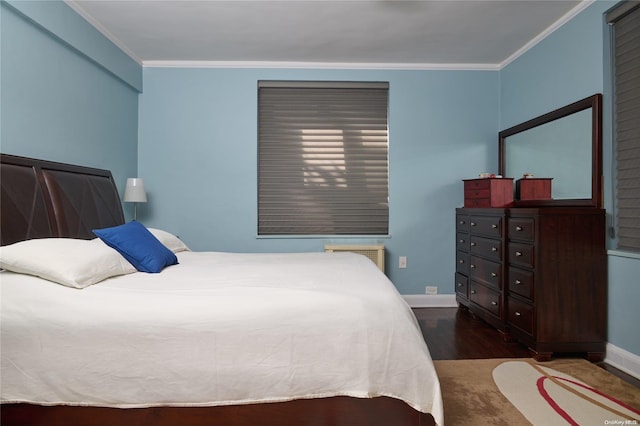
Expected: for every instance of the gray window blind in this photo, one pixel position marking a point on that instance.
(323, 158)
(626, 61)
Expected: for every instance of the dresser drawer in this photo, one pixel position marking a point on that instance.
(462, 262)
(485, 271)
(486, 247)
(522, 255)
(462, 223)
(462, 285)
(486, 225)
(520, 314)
(521, 282)
(485, 298)
(522, 228)
(462, 241)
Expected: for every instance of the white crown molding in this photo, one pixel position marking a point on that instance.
(547, 32)
(113, 39)
(319, 65)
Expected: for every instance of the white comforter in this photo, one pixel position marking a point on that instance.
(219, 328)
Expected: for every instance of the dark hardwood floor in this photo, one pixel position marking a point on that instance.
(453, 333)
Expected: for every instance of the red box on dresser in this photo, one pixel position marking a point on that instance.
(488, 192)
(533, 189)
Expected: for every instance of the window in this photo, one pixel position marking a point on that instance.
(625, 21)
(323, 158)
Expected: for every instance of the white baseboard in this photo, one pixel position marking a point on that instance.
(431, 301)
(623, 360)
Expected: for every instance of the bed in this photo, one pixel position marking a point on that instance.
(213, 338)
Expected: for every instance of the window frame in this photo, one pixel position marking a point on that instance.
(624, 217)
(373, 166)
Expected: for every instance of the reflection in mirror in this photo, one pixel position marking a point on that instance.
(560, 149)
(565, 145)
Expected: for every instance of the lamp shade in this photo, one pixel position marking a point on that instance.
(134, 192)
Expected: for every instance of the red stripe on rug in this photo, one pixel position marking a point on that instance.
(602, 394)
(552, 402)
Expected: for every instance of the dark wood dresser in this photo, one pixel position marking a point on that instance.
(539, 275)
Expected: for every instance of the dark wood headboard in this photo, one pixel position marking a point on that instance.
(41, 199)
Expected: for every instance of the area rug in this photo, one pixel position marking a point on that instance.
(522, 391)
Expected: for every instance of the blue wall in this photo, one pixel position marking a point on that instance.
(59, 104)
(198, 156)
(562, 68)
(571, 64)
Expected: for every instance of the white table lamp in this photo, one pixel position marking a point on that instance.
(134, 193)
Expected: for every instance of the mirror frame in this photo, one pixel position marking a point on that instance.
(595, 103)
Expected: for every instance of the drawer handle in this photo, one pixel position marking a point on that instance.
(518, 228)
(494, 248)
(460, 284)
(517, 282)
(518, 314)
(493, 274)
(473, 224)
(518, 253)
(473, 292)
(472, 266)
(462, 222)
(473, 244)
(461, 241)
(494, 226)
(461, 261)
(494, 303)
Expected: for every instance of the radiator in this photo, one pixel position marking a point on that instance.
(375, 252)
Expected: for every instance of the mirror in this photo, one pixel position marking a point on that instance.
(564, 145)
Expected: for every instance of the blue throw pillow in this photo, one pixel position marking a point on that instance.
(136, 244)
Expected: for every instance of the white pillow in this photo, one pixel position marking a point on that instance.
(70, 262)
(169, 240)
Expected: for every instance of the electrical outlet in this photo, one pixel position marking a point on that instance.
(431, 290)
(402, 262)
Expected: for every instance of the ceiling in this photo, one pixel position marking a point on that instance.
(386, 33)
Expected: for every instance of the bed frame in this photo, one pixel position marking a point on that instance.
(41, 199)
